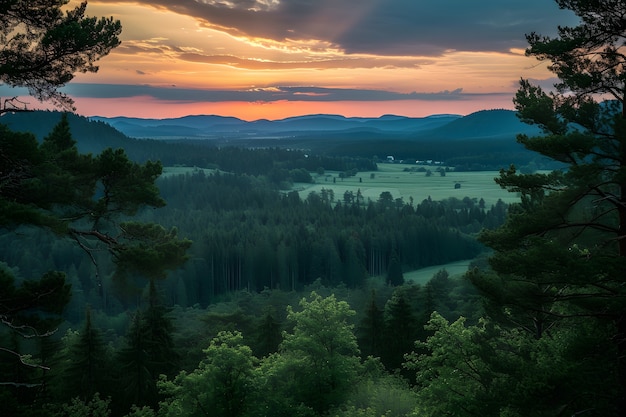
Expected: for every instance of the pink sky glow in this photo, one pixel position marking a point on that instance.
(273, 59)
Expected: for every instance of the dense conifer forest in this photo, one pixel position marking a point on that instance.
(220, 291)
(257, 250)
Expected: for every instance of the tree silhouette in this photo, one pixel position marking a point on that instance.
(41, 47)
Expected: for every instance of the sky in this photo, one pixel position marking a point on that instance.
(271, 59)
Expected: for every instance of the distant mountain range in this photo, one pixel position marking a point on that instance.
(482, 124)
(486, 124)
(481, 140)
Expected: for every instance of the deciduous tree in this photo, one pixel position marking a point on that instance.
(318, 362)
(220, 385)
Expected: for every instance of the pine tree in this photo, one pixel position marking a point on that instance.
(42, 47)
(158, 329)
(371, 330)
(394, 271)
(137, 381)
(89, 370)
(400, 330)
(269, 334)
(148, 354)
(561, 255)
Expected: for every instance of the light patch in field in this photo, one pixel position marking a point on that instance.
(423, 275)
(405, 184)
(180, 170)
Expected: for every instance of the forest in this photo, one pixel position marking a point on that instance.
(253, 254)
(222, 291)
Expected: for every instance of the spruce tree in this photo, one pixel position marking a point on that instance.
(400, 330)
(88, 371)
(149, 352)
(394, 270)
(137, 382)
(268, 336)
(371, 330)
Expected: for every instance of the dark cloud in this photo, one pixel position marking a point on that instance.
(386, 27)
(267, 94)
(255, 64)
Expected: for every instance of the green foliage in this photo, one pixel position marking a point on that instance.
(221, 384)
(42, 48)
(81, 197)
(352, 411)
(149, 352)
(318, 362)
(371, 330)
(269, 334)
(453, 378)
(151, 250)
(488, 370)
(88, 368)
(30, 310)
(260, 238)
(140, 412)
(559, 259)
(378, 394)
(94, 407)
(125, 185)
(137, 381)
(49, 294)
(394, 271)
(400, 329)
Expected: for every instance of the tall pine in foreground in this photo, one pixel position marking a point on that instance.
(80, 197)
(149, 352)
(88, 365)
(561, 255)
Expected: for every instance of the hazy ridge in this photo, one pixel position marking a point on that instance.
(482, 140)
(482, 124)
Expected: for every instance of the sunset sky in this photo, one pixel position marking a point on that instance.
(272, 59)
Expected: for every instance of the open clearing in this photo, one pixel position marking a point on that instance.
(400, 183)
(404, 184)
(423, 275)
(182, 170)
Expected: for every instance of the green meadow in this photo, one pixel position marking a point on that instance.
(406, 184)
(400, 183)
(423, 275)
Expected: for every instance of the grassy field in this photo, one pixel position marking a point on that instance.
(400, 183)
(393, 178)
(178, 170)
(423, 275)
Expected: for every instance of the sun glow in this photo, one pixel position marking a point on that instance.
(162, 48)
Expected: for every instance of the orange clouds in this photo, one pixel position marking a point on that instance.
(232, 46)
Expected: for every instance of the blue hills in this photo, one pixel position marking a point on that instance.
(481, 140)
(482, 124)
(486, 124)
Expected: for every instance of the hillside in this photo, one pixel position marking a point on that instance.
(480, 125)
(482, 140)
(211, 126)
(497, 124)
(91, 136)
(502, 124)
